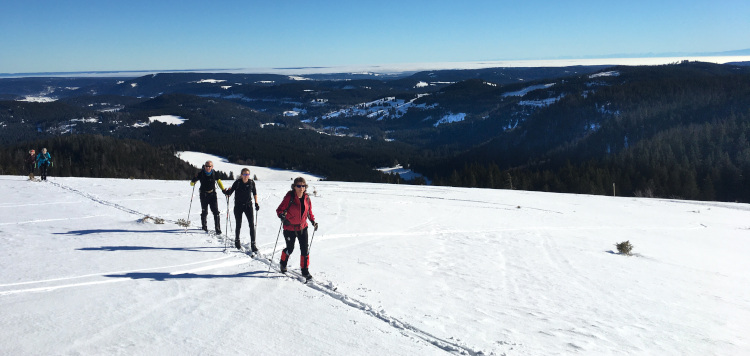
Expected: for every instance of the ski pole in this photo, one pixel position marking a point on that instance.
(226, 232)
(270, 262)
(231, 227)
(256, 221)
(309, 248)
(189, 209)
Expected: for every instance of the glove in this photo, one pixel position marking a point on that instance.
(192, 184)
(257, 207)
(315, 225)
(284, 220)
(226, 192)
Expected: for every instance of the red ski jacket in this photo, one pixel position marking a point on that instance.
(294, 211)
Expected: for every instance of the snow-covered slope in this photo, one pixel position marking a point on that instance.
(400, 270)
(197, 159)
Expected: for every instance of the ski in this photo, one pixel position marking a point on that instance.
(289, 273)
(256, 255)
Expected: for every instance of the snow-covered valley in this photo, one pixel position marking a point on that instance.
(400, 270)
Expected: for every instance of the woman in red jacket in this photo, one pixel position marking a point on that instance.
(294, 211)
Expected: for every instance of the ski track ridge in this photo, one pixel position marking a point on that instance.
(329, 289)
(500, 206)
(325, 287)
(101, 201)
(109, 203)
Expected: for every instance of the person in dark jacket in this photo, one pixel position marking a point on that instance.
(30, 162)
(43, 161)
(294, 211)
(207, 190)
(243, 203)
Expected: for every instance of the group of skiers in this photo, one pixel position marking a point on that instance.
(43, 160)
(294, 211)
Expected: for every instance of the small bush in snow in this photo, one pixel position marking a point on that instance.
(624, 248)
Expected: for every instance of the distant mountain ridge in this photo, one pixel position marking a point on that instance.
(400, 70)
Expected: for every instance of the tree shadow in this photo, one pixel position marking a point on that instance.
(107, 231)
(163, 276)
(146, 248)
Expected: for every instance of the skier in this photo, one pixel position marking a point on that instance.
(30, 162)
(43, 161)
(207, 190)
(243, 203)
(294, 211)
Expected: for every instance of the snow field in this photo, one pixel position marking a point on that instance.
(398, 269)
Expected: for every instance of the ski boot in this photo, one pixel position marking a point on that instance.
(253, 249)
(237, 244)
(304, 262)
(217, 224)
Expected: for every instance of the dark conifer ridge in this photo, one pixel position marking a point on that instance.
(101, 157)
(677, 130)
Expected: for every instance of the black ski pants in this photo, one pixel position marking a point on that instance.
(248, 211)
(43, 170)
(209, 199)
(291, 236)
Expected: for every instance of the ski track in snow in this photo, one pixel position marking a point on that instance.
(496, 204)
(110, 274)
(49, 220)
(322, 286)
(100, 201)
(8, 205)
(328, 288)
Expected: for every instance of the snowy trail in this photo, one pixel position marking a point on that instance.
(98, 200)
(322, 286)
(329, 289)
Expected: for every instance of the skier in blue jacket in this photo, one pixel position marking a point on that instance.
(43, 161)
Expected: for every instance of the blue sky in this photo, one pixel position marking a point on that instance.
(77, 35)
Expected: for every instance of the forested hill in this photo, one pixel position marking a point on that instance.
(669, 131)
(100, 156)
(676, 130)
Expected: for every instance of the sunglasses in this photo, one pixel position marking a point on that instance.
(300, 186)
(246, 174)
(209, 166)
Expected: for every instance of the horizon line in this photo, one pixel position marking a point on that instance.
(398, 68)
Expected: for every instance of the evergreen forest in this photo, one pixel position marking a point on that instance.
(673, 131)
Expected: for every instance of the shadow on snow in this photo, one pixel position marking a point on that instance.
(107, 231)
(145, 248)
(163, 276)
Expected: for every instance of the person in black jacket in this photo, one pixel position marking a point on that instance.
(30, 163)
(243, 203)
(207, 190)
